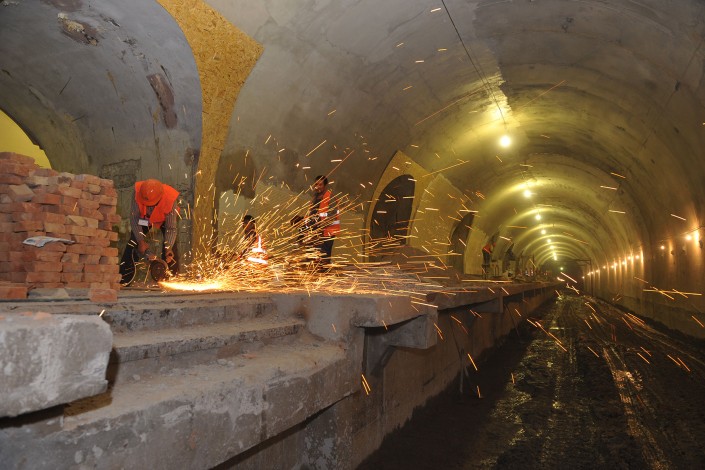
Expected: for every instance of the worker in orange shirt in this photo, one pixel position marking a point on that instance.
(324, 217)
(487, 258)
(153, 207)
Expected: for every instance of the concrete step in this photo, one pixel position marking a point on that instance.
(139, 353)
(187, 311)
(191, 418)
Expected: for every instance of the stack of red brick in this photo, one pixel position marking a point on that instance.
(42, 202)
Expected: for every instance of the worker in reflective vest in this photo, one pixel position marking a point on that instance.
(324, 216)
(153, 207)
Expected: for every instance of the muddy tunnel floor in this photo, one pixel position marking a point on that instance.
(580, 385)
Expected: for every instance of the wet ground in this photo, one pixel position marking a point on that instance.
(584, 386)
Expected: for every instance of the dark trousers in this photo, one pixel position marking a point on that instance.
(130, 256)
(325, 246)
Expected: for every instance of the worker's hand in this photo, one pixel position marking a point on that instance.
(169, 256)
(142, 247)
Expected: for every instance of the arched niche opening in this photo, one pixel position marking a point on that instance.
(13, 138)
(458, 241)
(391, 215)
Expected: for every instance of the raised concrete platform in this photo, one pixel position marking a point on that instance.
(48, 360)
(260, 381)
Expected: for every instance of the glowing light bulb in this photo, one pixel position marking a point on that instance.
(538, 217)
(543, 232)
(527, 193)
(505, 141)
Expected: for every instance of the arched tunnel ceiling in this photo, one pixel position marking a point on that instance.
(603, 101)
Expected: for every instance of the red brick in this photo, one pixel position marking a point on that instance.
(110, 251)
(91, 214)
(84, 249)
(5, 217)
(6, 227)
(65, 178)
(86, 204)
(99, 242)
(15, 168)
(111, 260)
(11, 179)
(55, 228)
(13, 291)
(41, 267)
(46, 256)
(8, 157)
(19, 277)
(44, 276)
(46, 198)
(98, 268)
(82, 185)
(110, 201)
(13, 238)
(70, 257)
(102, 295)
(71, 277)
(70, 202)
(110, 191)
(89, 259)
(28, 225)
(35, 180)
(20, 207)
(72, 267)
(38, 216)
(83, 231)
(89, 179)
(94, 188)
(44, 172)
(68, 191)
(46, 188)
(20, 193)
(78, 285)
(12, 267)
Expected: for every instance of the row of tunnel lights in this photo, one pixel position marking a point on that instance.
(623, 262)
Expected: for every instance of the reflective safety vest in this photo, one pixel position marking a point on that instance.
(163, 207)
(330, 228)
(258, 254)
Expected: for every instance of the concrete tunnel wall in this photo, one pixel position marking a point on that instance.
(603, 101)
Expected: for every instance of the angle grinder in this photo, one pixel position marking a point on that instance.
(160, 269)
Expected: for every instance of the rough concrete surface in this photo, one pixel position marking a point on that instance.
(47, 360)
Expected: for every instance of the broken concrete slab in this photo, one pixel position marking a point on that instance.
(47, 360)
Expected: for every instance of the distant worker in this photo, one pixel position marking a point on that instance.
(153, 208)
(323, 215)
(487, 258)
(254, 251)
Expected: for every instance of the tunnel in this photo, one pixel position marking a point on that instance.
(569, 133)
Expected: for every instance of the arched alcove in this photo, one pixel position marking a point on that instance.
(458, 242)
(390, 217)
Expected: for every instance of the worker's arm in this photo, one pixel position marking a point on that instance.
(142, 245)
(170, 229)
